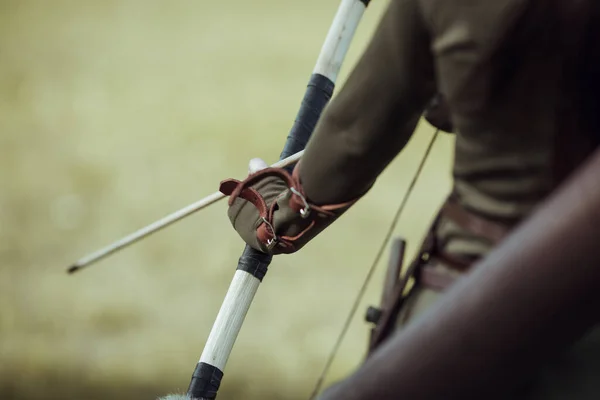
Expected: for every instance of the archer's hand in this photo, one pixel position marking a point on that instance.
(246, 217)
(270, 211)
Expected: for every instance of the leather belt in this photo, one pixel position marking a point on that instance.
(439, 280)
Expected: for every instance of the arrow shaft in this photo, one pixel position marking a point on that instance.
(163, 222)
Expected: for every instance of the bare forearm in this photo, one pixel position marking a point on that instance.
(533, 296)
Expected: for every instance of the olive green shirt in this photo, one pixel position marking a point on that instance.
(509, 70)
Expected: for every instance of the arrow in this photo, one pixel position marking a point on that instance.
(178, 215)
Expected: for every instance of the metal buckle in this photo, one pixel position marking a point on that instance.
(304, 212)
(273, 241)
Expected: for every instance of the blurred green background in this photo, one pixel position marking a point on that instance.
(115, 113)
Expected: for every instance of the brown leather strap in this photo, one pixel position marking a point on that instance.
(230, 186)
(455, 262)
(434, 279)
(493, 231)
(299, 200)
(236, 191)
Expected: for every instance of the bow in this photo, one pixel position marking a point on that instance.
(253, 265)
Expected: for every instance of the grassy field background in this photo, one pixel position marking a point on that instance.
(115, 113)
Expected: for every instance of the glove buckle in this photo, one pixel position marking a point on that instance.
(305, 211)
(271, 243)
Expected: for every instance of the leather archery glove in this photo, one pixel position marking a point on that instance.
(271, 212)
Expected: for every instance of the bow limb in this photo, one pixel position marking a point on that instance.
(253, 265)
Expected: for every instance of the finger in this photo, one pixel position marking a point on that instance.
(256, 164)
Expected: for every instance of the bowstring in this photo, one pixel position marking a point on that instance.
(371, 270)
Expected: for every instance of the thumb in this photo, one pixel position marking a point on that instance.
(256, 164)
